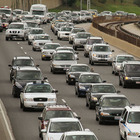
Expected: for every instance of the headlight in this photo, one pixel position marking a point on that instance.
(82, 87)
(31, 37)
(110, 55)
(18, 85)
(133, 133)
(94, 98)
(128, 78)
(118, 67)
(51, 99)
(28, 99)
(104, 114)
(71, 76)
(94, 55)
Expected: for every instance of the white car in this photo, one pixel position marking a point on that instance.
(100, 53)
(64, 32)
(129, 123)
(39, 41)
(48, 49)
(78, 135)
(57, 126)
(37, 95)
(62, 60)
(17, 30)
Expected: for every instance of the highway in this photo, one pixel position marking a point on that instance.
(25, 124)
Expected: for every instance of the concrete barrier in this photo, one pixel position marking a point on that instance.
(5, 125)
(118, 43)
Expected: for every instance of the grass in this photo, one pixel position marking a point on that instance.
(110, 5)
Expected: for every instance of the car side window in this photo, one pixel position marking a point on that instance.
(125, 116)
(123, 113)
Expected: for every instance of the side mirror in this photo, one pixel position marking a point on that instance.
(43, 131)
(77, 52)
(51, 39)
(118, 91)
(37, 65)
(104, 81)
(45, 78)
(97, 104)
(113, 51)
(122, 121)
(10, 65)
(54, 91)
(40, 118)
(77, 58)
(67, 70)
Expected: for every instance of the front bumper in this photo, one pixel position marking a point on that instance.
(110, 118)
(102, 60)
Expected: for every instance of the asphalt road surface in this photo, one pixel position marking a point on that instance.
(25, 124)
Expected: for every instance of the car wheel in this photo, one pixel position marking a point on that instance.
(29, 43)
(21, 105)
(75, 92)
(110, 64)
(24, 38)
(70, 42)
(112, 71)
(7, 38)
(78, 94)
(87, 103)
(97, 118)
(120, 83)
(121, 138)
(89, 61)
(13, 93)
(33, 49)
(53, 71)
(100, 121)
(124, 84)
(24, 108)
(92, 63)
(90, 106)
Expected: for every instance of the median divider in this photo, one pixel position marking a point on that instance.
(6, 132)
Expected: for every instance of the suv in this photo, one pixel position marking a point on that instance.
(17, 30)
(129, 73)
(19, 61)
(129, 124)
(54, 111)
(23, 75)
(100, 53)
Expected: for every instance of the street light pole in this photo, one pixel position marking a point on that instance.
(81, 5)
(88, 4)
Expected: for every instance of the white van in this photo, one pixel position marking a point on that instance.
(39, 10)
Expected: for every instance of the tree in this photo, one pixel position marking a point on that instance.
(137, 2)
(69, 2)
(102, 1)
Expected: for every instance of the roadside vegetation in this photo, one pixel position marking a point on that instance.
(131, 6)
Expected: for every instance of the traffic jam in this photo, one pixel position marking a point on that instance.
(58, 121)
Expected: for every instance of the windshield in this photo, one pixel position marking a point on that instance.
(23, 62)
(51, 46)
(18, 12)
(103, 89)
(115, 102)
(36, 31)
(31, 24)
(38, 88)
(134, 68)
(64, 56)
(5, 11)
(69, 49)
(16, 26)
(78, 30)
(94, 41)
(80, 69)
(34, 12)
(58, 113)
(66, 29)
(101, 49)
(29, 75)
(82, 35)
(42, 37)
(90, 79)
(134, 117)
(60, 127)
(120, 59)
(81, 137)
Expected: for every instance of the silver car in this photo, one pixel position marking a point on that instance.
(62, 60)
(100, 53)
(117, 61)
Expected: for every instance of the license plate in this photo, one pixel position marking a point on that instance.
(117, 117)
(40, 105)
(137, 82)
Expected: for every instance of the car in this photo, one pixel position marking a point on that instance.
(129, 75)
(39, 41)
(27, 18)
(90, 41)
(75, 17)
(23, 75)
(36, 95)
(73, 33)
(75, 70)
(64, 32)
(5, 23)
(78, 135)
(1, 26)
(32, 33)
(19, 61)
(95, 92)
(17, 30)
(84, 81)
(67, 48)
(62, 60)
(100, 53)
(117, 61)
(82, 17)
(129, 123)
(48, 49)
(57, 126)
(54, 111)
(32, 24)
(80, 40)
(109, 108)
(88, 16)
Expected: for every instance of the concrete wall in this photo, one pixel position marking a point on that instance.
(26, 4)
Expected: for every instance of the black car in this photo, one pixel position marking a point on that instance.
(19, 61)
(1, 26)
(129, 74)
(109, 108)
(96, 91)
(23, 75)
(84, 81)
(75, 70)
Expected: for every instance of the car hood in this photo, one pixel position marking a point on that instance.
(23, 82)
(55, 136)
(98, 95)
(134, 127)
(112, 110)
(40, 95)
(64, 62)
(15, 29)
(64, 32)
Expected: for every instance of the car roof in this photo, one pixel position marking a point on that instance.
(89, 73)
(124, 55)
(132, 62)
(114, 95)
(58, 107)
(102, 84)
(133, 108)
(65, 47)
(36, 29)
(42, 34)
(79, 133)
(79, 65)
(63, 51)
(64, 119)
(22, 57)
(38, 82)
(28, 68)
(53, 43)
(99, 44)
(18, 23)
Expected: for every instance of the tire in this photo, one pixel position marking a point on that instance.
(13, 93)
(90, 107)
(87, 103)
(24, 38)
(92, 63)
(124, 84)
(78, 94)
(69, 83)
(21, 105)
(70, 42)
(97, 118)
(7, 38)
(100, 121)
(121, 138)
(24, 108)
(112, 72)
(29, 43)
(33, 49)
(89, 61)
